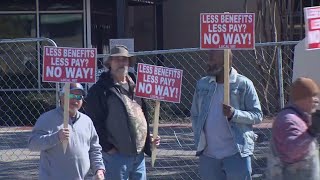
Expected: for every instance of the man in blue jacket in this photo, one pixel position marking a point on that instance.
(223, 133)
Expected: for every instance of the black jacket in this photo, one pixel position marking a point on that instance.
(97, 108)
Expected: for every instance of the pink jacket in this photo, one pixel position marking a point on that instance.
(290, 136)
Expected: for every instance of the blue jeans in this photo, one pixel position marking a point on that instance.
(124, 167)
(233, 167)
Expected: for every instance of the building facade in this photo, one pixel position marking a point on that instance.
(80, 23)
(181, 19)
(154, 24)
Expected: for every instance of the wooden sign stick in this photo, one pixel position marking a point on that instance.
(226, 98)
(155, 131)
(66, 112)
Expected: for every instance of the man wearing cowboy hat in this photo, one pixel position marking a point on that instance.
(120, 119)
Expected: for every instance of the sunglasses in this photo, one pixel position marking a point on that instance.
(75, 96)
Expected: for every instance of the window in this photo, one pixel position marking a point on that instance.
(50, 5)
(17, 26)
(309, 3)
(18, 5)
(64, 29)
(60, 20)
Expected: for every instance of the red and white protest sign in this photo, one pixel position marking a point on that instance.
(64, 64)
(312, 21)
(159, 83)
(227, 31)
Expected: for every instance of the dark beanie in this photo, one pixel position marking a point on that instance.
(303, 88)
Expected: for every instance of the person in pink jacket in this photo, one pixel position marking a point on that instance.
(294, 148)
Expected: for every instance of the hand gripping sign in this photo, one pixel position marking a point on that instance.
(161, 84)
(227, 31)
(69, 65)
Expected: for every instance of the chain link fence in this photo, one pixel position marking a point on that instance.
(24, 97)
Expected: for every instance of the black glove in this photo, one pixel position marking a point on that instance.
(314, 129)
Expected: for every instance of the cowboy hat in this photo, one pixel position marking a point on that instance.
(119, 51)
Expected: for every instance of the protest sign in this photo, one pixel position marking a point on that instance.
(227, 31)
(64, 64)
(312, 26)
(159, 83)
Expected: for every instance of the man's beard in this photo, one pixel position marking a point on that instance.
(214, 71)
(73, 110)
(122, 71)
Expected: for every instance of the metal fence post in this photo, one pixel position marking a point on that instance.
(57, 84)
(280, 76)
